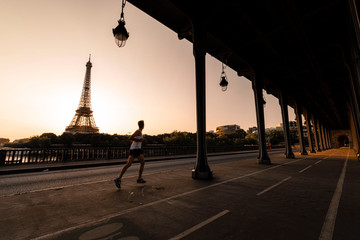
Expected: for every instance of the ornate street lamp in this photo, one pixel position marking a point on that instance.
(223, 80)
(120, 32)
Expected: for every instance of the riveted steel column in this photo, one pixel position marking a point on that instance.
(321, 136)
(285, 118)
(324, 136)
(263, 157)
(316, 135)
(329, 138)
(309, 130)
(355, 79)
(300, 130)
(201, 169)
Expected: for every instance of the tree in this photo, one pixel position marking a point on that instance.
(67, 139)
(275, 136)
(52, 136)
(294, 136)
(34, 142)
(252, 139)
(180, 138)
(44, 142)
(240, 134)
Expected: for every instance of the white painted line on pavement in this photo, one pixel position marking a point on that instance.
(273, 186)
(200, 225)
(329, 223)
(305, 169)
(318, 162)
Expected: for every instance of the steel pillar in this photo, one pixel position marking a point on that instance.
(300, 130)
(323, 133)
(355, 80)
(201, 169)
(285, 118)
(321, 136)
(310, 134)
(325, 138)
(328, 138)
(263, 157)
(316, 135)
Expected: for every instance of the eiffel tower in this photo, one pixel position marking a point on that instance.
(83, 121)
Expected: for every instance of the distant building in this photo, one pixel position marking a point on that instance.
(227, 129)
(270, 129)
(292, 124)
(252, 130)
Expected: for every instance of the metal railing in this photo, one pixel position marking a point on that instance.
(49, 155)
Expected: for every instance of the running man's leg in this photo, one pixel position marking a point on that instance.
(126, 166)
(142, 164)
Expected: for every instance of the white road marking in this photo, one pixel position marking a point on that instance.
(329, 223)
(106, 218)
(305, 169)
(198, 226)
(273, 186)
(318, 162)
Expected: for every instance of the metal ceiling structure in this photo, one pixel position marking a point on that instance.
(306, 50)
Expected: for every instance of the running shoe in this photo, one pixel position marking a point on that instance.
(117, 182)
(140, 180)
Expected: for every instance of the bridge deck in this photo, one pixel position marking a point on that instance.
(291, 199)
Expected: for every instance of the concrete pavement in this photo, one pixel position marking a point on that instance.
(289, 199)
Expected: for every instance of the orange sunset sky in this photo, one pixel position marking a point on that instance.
(45, 45)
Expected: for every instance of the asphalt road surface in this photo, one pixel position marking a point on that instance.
(309, 197)
(37, 181)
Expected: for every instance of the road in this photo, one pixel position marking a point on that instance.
(310, 197)
(30, 182)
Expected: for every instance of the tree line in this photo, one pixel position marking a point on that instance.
(239, 138)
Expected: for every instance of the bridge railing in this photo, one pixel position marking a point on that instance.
(49, 155)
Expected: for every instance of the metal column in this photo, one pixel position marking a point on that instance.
(310, 133)
(300, 130)
(263, 157)
(201, 169)
(321, 136)
(316, 135)
(285, 118)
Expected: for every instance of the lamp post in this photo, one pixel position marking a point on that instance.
(120, 32)
(223, 80)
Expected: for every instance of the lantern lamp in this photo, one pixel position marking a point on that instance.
(223, 80)
(120, 32)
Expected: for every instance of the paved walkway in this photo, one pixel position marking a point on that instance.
(310, 197)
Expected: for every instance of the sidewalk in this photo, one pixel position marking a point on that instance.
(172, 205)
